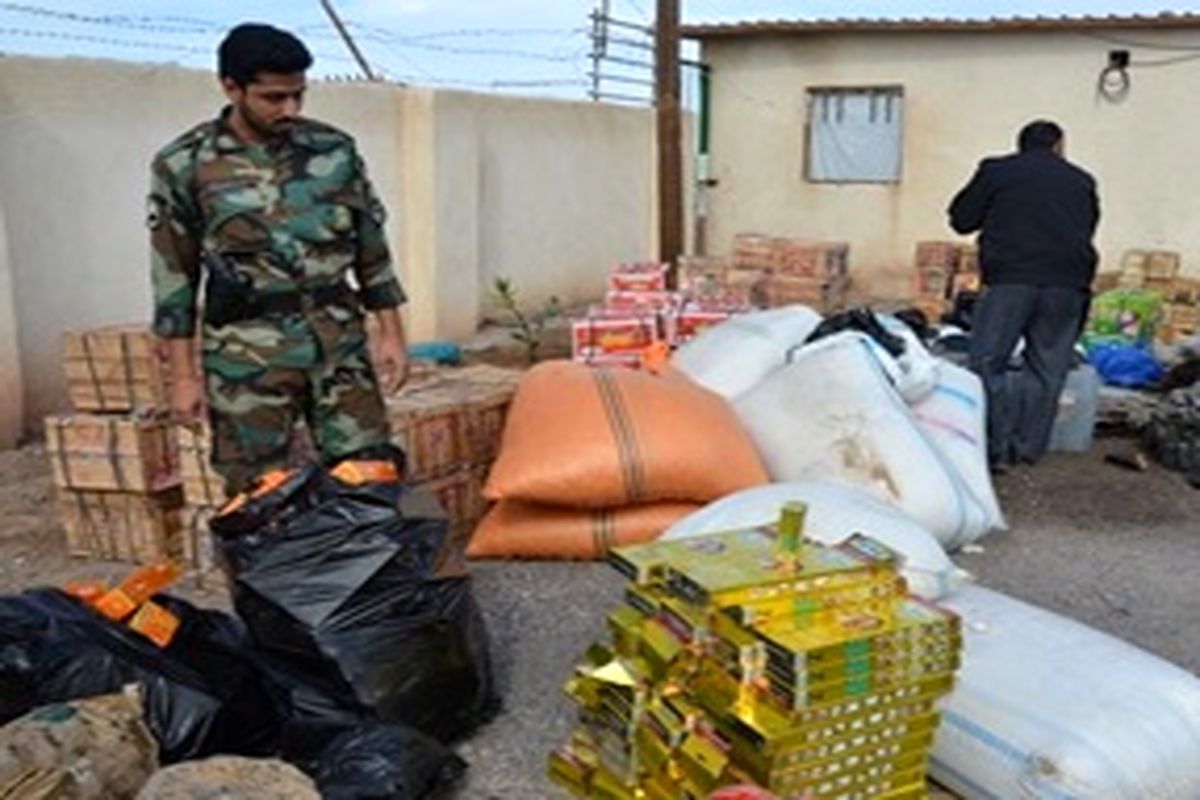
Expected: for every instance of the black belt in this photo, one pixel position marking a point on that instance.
(274, 304)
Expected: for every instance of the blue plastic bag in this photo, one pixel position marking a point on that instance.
(1125, 365)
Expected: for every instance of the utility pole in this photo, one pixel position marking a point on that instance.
(345, 34)
(670, 136)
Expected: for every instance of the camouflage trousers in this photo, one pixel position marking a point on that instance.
(253, 409)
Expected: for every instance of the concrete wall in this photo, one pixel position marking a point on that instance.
(548, 193)
(965, 95)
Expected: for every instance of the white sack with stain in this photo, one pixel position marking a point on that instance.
(832, 414)
(1047, 708)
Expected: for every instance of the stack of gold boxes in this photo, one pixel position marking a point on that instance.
(759, 657)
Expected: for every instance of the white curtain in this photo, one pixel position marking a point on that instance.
(856, 135)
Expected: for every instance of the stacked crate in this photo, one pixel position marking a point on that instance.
(203, 493)
(757, 657)
(779, 271)
(114, 458)
(449, 426)
(944, 270)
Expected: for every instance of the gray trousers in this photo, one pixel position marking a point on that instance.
(1050, 320)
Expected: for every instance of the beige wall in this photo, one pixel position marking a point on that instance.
(966, 95)
(546, 192)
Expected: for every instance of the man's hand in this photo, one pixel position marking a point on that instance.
(391, 350)
(187, 399)
(392, 361)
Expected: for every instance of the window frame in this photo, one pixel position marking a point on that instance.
(811, 95)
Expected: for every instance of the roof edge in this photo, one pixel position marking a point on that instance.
(1163, 21)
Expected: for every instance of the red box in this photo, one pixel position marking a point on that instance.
(643, 302)
(607, 335)
(686, 324)
(640, 276)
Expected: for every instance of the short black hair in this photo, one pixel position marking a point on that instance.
(251, 48)
(1041, 134)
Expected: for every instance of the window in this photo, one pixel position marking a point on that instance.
(855, 135)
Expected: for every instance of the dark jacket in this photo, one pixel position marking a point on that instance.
(1036, 213)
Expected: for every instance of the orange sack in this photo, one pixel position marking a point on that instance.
(524, 530)
(591, 437)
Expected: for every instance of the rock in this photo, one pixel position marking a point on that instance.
(230, 778)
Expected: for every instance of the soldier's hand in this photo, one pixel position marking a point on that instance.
(187, 400)
(393, 364)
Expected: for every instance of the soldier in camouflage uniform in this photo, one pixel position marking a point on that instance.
(273, 212)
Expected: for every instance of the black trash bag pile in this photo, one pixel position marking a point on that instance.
(338, 589)
(372, 761)
(862, 320)
(203, 693)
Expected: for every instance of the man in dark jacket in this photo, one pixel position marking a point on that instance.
(1036, 214)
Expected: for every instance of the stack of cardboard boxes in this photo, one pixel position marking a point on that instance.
(780, 271)
(944, 270)
(449, 425)
(757, 657)
(115, 459)
(639, 312)
(134, 487)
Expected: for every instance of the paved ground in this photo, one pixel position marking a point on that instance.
(1114, 549)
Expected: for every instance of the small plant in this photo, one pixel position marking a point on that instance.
(530, 326)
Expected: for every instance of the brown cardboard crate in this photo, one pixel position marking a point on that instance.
(968, 260)
(1106, 281)
(201, 485)
(823, 295)
(940, 255)
(1184, 291)
(965, 282)
(122, 526)
(453, 419)
(461, 495)
(1162, 265)
(199, 554)
(932, 307)
(133, 453)
(755, 251)
(934, 282)
(117, 368)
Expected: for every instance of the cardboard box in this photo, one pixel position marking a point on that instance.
(933, 282)
(755, 251)
(461, 496)
(938, 255)
(122, 526)
(823, 295)
(115, 369)
(688, 323)
(1162, 265)
(452, 420)
(612, 332)
(968, 259)
(134, 453)
(641, 276)
(1105, 282)
(200, 553)
(201, 485)
(643, 302)
(1184, 291)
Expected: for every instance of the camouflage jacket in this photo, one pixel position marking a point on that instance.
(283, 217)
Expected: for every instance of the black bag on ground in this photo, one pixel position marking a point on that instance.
(202, 694)
(862, 320)
(336, 585)
(372, 761)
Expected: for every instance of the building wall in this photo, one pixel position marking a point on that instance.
(546, 192)
(966, 96)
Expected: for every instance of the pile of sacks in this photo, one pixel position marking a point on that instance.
(855, 418)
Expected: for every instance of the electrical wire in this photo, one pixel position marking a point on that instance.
(1141, 45)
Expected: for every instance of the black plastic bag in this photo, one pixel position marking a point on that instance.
(862, 320)
(373, 761)
(336, 585)
(203, 694)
